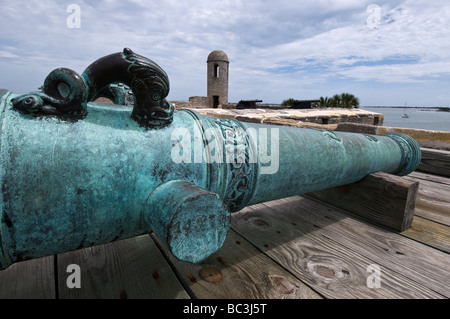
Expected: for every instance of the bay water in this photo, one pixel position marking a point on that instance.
(426, 118)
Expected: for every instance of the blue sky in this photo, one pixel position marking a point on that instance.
(384, 52)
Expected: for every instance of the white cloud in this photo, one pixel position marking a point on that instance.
(7, 54)
(399, 73)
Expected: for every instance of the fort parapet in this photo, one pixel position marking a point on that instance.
(298, 117)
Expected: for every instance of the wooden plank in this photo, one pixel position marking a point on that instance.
(430, 233)
(33, 279)
(435, 162)
(328, 267)
(418, 262)
(433, 199)
(381, 198)
(127, 269)
(239, 271)
(419, 176)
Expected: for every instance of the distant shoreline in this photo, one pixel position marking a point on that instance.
(407, 107)
(437, 108)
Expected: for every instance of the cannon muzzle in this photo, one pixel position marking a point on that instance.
(72, 180)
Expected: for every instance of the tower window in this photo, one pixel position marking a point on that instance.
(216, 70)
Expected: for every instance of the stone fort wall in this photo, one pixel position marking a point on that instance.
(199, 102)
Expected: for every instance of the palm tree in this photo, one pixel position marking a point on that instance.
(349, 101)
(324, 101)
(355, 102)
(343, 100)
(335, 101)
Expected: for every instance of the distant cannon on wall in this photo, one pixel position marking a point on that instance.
(248, 104)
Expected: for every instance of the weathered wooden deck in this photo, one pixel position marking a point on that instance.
(291, 248)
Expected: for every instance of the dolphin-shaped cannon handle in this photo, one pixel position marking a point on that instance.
(66, 93)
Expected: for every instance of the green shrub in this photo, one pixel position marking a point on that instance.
(287, 102)
(344, 100)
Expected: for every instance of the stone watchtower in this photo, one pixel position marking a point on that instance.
(218, 78)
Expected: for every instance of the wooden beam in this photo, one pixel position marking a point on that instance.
(435, 162)
(430, 233)
(433, 200)
(381, 198)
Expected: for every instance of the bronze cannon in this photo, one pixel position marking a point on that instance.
(75, 173)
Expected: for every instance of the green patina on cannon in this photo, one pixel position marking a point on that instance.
(75, 173)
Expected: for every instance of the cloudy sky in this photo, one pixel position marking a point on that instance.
(384, 52)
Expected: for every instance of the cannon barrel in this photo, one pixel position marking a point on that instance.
(68, 185)
(73, 183)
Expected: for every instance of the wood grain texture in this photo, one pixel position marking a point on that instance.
(430, 233)
(435, 162)
(128, 269)
(380, 198)
(421, 176)
(239, 271)
(328, 267)
(297, 242)
(33, 279)
(418, 263)
(433, 199)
